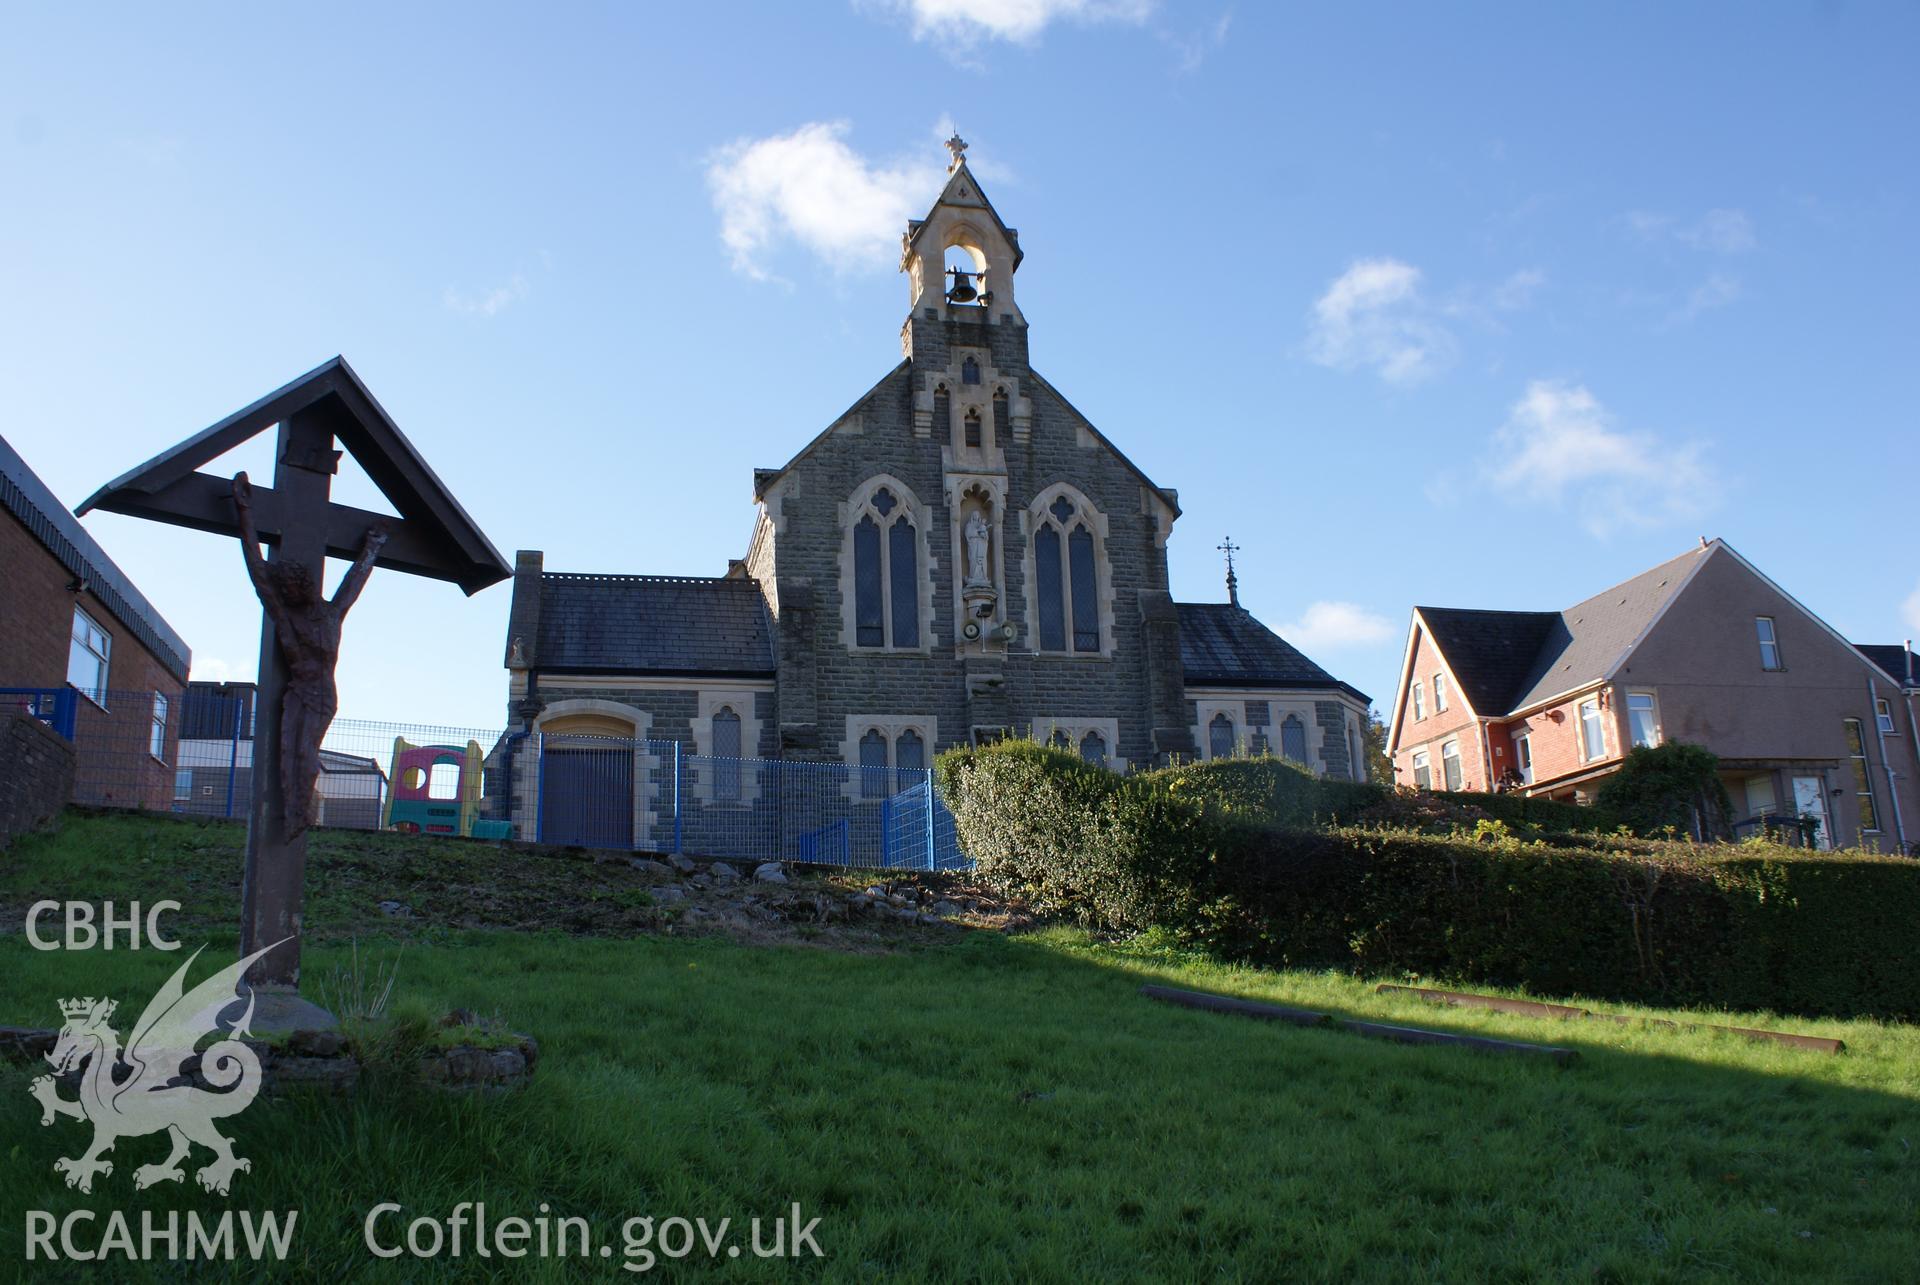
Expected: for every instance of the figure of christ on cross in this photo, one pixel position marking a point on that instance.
(307, 628)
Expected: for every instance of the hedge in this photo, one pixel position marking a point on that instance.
(1242, 860)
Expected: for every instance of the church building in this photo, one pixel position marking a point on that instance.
(960, 556)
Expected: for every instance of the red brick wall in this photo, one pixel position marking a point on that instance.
(1437, 728)
(1554, 737)
(113, 764)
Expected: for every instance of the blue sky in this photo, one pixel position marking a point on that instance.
(1484, 305)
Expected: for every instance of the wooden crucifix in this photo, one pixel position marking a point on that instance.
(300, 628)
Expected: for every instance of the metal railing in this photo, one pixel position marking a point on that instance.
(643, 796)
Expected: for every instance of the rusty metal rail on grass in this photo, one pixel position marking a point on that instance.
(1532, 1008)
(1373, 1030)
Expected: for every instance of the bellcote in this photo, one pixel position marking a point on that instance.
(961, 258)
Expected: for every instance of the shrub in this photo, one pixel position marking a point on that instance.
(1669, 787)
(1192, 852)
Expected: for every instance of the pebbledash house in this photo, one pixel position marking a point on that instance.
(959, 557)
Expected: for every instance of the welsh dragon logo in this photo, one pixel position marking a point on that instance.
(146, 1087)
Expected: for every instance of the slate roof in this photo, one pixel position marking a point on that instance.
(653, 625)
(25, 496)
(1892, 660)
(1492, 653)
(1222, 645)
(1519, 658)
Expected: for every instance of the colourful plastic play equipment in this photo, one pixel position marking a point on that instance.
(418, 802)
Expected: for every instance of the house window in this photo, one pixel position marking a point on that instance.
(1450, 765)
(1293, 739)
(1063, 563)
(1093, 748)
(1593, 734)
(1883, 714)
(183, 783)
(1422, 770)
(1419, 702)
(157, 738)
(87, 658)
(1769, 643)
(886, 573)
(1220, 737)
(726, 754)
(1523, 757)
(1761, 800)
(1640, 718)
(1439, 693)
(1862, 776)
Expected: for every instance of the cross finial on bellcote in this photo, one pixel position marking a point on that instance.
(956, 148)
(1228, 547)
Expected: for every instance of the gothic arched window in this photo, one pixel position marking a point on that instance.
(1093, 748)
(726, 754)
(1293, 739)
(1220, 737)
(1066, 575)
(873, 765)
(886, 573)
(969, 371)
(973, 427)
(1060, 740)
(1001, 430)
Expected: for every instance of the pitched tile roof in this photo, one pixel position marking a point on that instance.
(25, 496)
(1222, 645)
(653, 625)
(1892, 659)
(1492, 653)
(1569, 648)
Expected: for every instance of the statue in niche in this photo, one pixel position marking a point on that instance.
(977, 534)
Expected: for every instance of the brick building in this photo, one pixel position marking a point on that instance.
(1703, 648)
(75, 623)
(960, 555)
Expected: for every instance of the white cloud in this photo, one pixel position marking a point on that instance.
(487, 303)
(1910, 609)
(1717, 291)
(1374, 316)
(1328, 626)
(1559, 444)
(965, 23)
(808, 187)
(1517, 291)
(212, 669)
(1194, 47)
(1720, 231)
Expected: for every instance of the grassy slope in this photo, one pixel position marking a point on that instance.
(1010, 1107)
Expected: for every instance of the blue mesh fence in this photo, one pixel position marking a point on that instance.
(195, 756)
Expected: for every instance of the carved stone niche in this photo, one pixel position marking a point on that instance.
(976, 517)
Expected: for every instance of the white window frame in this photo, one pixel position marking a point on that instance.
(1439, 693)
(1419, 701)
(1767, 631)
(182, 784)
(1883, 715)
(1422, 762)
(1523, 755)
(103, 655)
(1653, 714)
(1460, 767)
(157, 733)
(1587, 753)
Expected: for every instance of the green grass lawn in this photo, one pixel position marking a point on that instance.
(975, 1106)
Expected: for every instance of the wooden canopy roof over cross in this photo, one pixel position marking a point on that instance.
(434, 537)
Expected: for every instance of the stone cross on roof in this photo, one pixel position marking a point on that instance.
(957, 148)
(1228, 547)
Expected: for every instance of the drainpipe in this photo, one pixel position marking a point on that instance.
(1886, 765)
(1486, 752)
(1909, 691)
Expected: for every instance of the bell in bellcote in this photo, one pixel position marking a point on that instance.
(962, 291)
